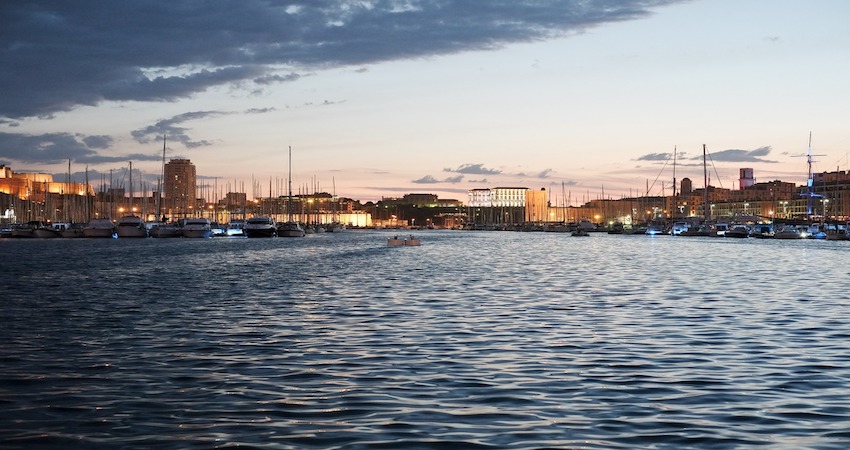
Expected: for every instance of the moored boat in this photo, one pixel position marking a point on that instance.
(260, 227)
(74, 230)
(234, 228)
(787, 232)
(99, 228)
(290, 229)
(50, 231)
(131, 227)
(738, 231)
(196, 227)
(165, 230)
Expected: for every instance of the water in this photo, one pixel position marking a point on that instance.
(473, 340)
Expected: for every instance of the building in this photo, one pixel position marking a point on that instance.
(745, 178)
(180, 186)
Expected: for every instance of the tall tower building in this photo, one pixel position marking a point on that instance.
(180, 186)
(687, 186)
(746, 178)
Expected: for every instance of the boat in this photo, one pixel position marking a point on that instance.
(74, 230)
(27, 230)
(290, 229)
(697, 230)
(234, 228)
(762, 231)
(719, 229)
(196, 227)
(787, 232)
(218, 229)
(99, 228)
(655, 229)
(679, 228)
(617, 228)
(131, 227)
(260, 227)
(50, 231)
(738, 231)
(165, 230)
(580, 232)
(409, 241)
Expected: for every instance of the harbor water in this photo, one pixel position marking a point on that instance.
(500, 340)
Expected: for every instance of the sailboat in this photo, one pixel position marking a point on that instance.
(131, 225)
(290, 228)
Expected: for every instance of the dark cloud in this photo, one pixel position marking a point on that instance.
(59, 55)
(734, 155)
(11, 123)
(428, 179)
(99, 142)
(54, 148)
(169, 127)
(474, 169)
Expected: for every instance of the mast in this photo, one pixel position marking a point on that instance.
(130, 206)
(289, 192)
(705, 206)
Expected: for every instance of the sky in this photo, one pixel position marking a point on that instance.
(379, 98)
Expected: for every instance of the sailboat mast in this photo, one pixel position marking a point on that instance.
(289, 192)
(706, 210)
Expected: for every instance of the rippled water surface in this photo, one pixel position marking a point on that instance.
(473, 340)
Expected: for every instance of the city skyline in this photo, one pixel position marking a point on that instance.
(383, 98)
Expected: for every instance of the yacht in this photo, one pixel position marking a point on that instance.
(290, 229)
(260, 227)
(787, 232)
(738, 231)
(196, 227)
(234, 228)
(166, 230)
(131, 227)
(99, 228)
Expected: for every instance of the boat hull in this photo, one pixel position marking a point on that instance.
(259, 232)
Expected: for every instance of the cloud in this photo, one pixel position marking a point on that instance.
(60, 55)
(11, 123)
(54, 148)
(428, 179)
(169, 127)
(655, 157)
(260, 110)
(474, 169)
(734, 155)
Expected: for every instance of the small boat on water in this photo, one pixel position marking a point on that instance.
(131, 227)
(99, 228)
(257, 227)
(196, 227)
(290, 229)
(409, 241)
(580, 232)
